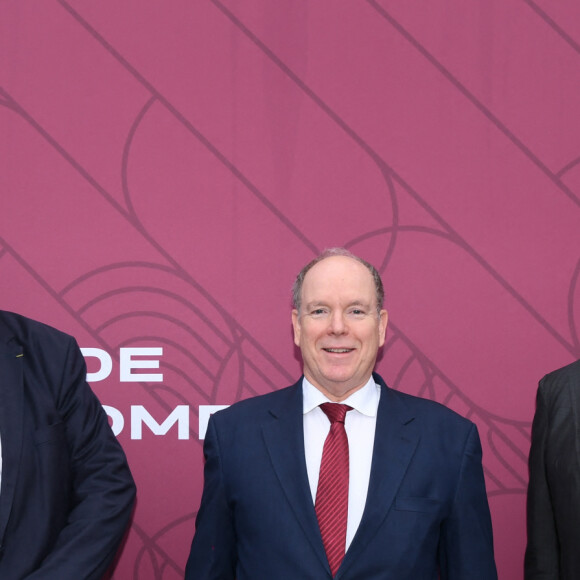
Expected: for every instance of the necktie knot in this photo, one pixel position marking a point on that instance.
(335, 412)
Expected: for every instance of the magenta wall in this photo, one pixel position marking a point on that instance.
(168, 165)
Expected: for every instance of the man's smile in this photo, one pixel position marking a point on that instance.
(338, 350)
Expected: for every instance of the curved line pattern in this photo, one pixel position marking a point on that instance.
(300, 236)
(395, 221)
(155, 539)
(119, 266)
(125, 159)
(151, 314)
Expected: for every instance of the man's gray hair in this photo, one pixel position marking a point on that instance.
(297, 286)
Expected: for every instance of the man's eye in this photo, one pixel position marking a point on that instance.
(318, 311)
(358, 311)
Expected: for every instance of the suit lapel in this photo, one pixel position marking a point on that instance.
(284, 438)
(11, 418)
(396, 438)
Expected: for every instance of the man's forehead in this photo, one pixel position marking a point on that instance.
(337, 274)
(345, 287)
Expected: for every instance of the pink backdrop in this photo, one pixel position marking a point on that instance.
(167, 166)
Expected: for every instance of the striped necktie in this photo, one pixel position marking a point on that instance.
(332, 494)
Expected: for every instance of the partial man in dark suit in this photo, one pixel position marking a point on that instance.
(339, 476)
(66, 492)
(553, 549)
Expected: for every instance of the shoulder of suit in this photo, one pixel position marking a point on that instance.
(419, 406)
(428, 409)
(16, 328)
(561, 379)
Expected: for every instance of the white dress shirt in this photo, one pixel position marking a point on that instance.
(360, 426)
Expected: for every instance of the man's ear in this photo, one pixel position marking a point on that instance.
(296, 326)
(383, 321)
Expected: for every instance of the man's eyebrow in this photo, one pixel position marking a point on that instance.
(319, 303)
(360, 303)
(314, 304)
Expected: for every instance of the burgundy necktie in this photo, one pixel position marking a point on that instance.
(332, 494)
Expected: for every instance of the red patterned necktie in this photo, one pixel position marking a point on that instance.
(332, 494)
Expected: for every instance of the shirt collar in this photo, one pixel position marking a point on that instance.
(365, 400)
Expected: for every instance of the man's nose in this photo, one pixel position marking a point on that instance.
(337, 323)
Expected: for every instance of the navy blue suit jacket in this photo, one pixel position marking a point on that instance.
(67, 493)
(426, 511)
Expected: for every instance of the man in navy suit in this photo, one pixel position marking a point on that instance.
(66, 492)
(417, 507)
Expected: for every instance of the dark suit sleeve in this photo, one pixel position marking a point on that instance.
(541, 560)
(213, 553)
(102, 489)
(466, 549)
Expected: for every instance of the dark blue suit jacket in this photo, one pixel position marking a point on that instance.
(426, 511)
(66, 494)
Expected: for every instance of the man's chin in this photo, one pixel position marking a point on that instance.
(338, 389)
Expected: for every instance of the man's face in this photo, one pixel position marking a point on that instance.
(338, 329)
